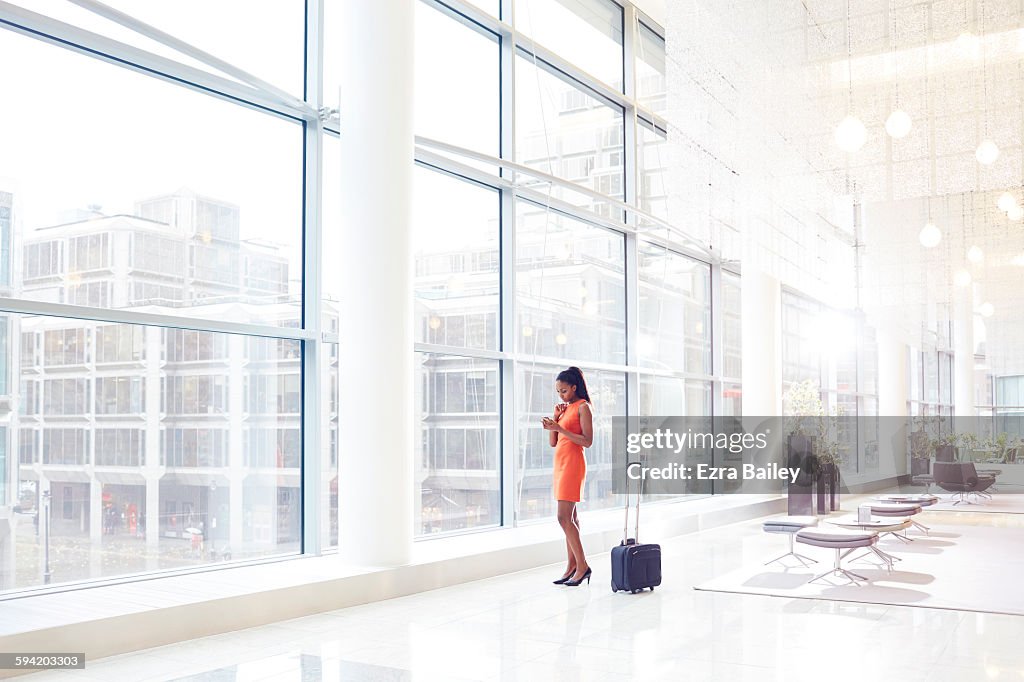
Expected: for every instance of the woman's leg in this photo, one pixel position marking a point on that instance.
(570, 526)
(570, 567)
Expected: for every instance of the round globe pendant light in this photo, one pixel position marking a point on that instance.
(930, 236)
(962, 278)
(851, 134)
(986, 309)
(1006, 202)
(1015, 214)
(987, 152)
(967, 44)
(898, 124)
(975, 254)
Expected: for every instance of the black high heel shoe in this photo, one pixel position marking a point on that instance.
(565, 577)
(585, 576)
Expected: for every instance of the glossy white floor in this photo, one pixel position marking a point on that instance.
(521, 627)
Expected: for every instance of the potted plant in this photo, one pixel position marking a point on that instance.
(944, 447)
(812, 441)
(921, 451)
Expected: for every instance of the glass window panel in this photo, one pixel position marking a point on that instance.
(732, 326)
(271, 47)
(650, 70)
(946, 378)
(178, 481)
(931, 376)
(652, 172)
(457, 96)
(168, 181)
(675, 311)
(801, 334)
(564, 131)
(533, 464)
(732, 400)
(457, 273)
(867, 361)
(329, 445)
(570, 286)
(587, 33)
(457, 482)
(6, 224)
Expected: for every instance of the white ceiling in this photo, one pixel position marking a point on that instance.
(765, 84)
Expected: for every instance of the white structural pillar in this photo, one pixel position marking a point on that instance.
(374, 267)
(963, 353)
(761, 306)
(893, 422)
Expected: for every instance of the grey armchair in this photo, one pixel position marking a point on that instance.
(962, 479)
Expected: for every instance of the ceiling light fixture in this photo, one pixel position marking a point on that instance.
(930, 235)
(1006, 202)
(986, 309)
(898, 124)
(1015, 214)
(966, 42)
(962, 278)
(850, 133)
(975, 254)
(987, 152)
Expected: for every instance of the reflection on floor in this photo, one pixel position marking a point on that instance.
(521, 627)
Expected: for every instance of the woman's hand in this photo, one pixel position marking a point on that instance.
(560, 410)
(550, 424)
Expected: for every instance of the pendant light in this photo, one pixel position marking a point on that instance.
(975, 254)
(987, 151)
(1006, 202)
(898, 124)
(930, 235)
(850, 134)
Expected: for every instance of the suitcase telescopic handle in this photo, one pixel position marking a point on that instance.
(639, 492)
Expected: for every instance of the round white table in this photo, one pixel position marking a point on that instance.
(889, 525)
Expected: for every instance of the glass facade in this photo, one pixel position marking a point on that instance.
(159, 391)
(837, 352)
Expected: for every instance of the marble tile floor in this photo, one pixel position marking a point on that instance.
(521, 627)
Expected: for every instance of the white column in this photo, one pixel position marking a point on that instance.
(761, 305)
(963, 353)
(95, 510)
(237, 470)
(151, 449)
(892, 405)
(375, 268)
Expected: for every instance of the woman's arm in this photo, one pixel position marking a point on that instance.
(586, 439)
(552, 427)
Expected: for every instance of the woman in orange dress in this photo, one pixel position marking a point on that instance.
(572, 429)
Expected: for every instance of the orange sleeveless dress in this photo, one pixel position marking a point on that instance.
(570, 465)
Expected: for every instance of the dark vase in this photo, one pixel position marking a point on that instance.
(820, 489)
(799, 493)
(920, 466)
(945, 453)
(833, 488)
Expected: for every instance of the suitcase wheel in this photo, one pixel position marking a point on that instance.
(636, 591)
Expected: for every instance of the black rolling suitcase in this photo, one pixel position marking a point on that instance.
(635, 567)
